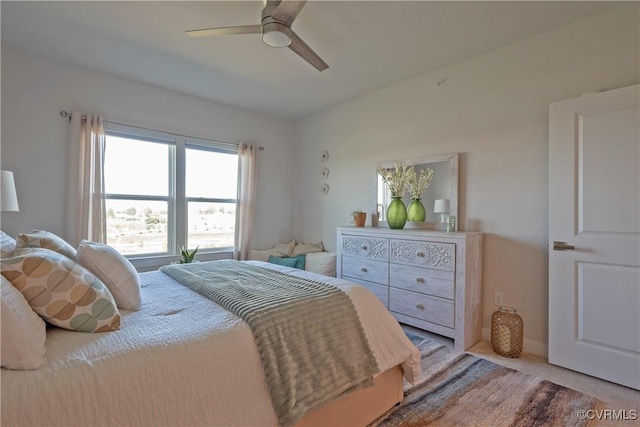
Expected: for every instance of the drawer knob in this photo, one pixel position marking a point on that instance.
(420, 254)
(419, 279)
(420, 306)
(363, 269)
(364, 247)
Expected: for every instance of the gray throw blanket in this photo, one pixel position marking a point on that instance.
(311, 342)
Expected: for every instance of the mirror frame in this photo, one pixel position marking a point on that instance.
(452, 158)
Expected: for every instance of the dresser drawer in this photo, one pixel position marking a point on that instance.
(380, 291)
(424, 280)
(440, 256)
(366, 247)
(365, 269)
(424, 307)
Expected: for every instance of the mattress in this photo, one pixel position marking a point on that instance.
(180, 360)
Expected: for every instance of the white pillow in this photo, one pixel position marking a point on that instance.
(114, 270)
(7, 245)
(322, 263)
(23, 331)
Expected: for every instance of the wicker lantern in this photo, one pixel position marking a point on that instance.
(506, 332)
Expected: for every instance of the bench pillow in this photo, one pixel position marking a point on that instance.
(307, 248)
(294, 262)
(285, 249)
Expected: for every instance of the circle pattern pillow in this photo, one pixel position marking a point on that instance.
(47, 240)
(62, 292)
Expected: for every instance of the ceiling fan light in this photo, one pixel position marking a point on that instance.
(275, 34)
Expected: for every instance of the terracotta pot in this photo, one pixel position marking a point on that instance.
(359, 218)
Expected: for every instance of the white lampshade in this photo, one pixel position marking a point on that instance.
(441, 206)
(9, 198)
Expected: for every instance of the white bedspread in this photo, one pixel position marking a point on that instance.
(180, 360)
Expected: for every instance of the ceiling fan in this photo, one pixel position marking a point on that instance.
(275, 27)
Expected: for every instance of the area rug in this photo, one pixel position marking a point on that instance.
(458, 389)
(415, 339)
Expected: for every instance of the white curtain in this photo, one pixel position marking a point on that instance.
(245, 208)
(85, 180)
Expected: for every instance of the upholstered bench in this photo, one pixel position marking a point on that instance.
(312, 256)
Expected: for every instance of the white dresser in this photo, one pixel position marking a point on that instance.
(428, 279)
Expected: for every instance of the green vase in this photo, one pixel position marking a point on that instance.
(415, 211)
(396, 213)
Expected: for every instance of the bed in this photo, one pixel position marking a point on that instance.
(184, 360)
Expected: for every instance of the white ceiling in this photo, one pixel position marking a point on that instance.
(367, 44)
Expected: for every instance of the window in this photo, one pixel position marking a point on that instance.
(164, 191)
(211, 189)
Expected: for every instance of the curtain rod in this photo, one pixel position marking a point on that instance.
(64, 113)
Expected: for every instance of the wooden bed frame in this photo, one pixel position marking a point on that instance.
(362, 406)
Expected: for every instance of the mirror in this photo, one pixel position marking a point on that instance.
(443, 185)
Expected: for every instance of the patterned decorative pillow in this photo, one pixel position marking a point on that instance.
(62, 292)
(262, 255)
(47, 240)
(114, 270)
(285, 249)
(23, 331)
(307, 248)
(7, 245)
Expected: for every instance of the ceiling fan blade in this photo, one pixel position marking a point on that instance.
(222, 31)
(287, 11)
(306, 53)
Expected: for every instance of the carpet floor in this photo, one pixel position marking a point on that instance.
(459, 389)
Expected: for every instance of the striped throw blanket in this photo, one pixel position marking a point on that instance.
(312, 345)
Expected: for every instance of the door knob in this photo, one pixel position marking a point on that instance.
(562, 246)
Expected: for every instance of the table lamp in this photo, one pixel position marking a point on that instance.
(8, 196)
(441, 206)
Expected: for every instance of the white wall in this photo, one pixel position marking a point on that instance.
(34, 137)
(493, 110)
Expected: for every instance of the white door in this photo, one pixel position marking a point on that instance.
(594, 208)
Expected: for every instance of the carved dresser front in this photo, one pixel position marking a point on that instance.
(428, 279)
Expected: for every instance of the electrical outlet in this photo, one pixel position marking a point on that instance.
(498, 298)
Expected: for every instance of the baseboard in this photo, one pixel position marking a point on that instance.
(535, 348)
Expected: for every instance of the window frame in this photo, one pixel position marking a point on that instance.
(177, 201)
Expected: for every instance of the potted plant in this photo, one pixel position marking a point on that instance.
(359, 217)
(186, 256)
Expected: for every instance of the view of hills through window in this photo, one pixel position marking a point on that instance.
(141, 227)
